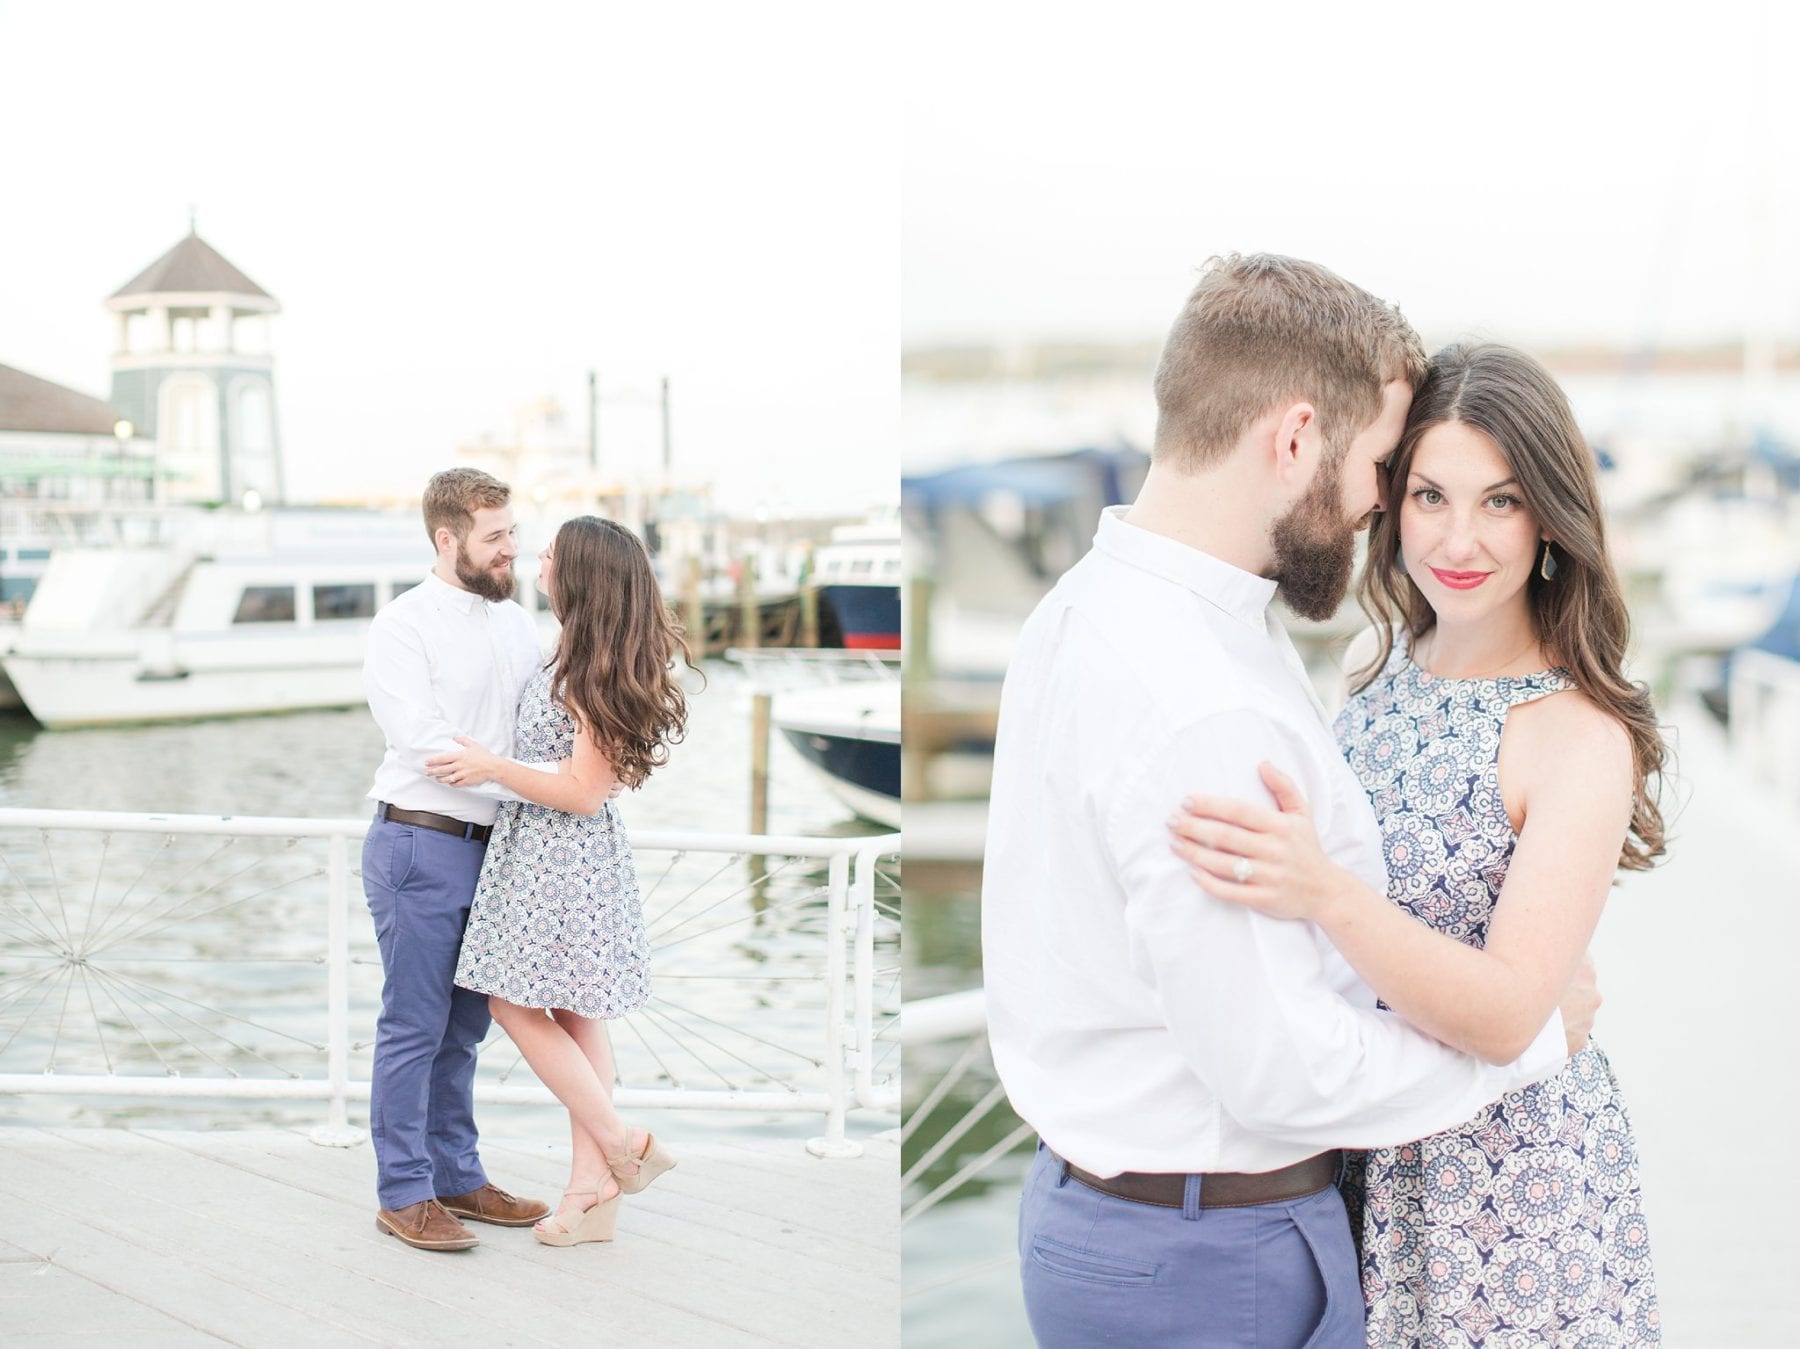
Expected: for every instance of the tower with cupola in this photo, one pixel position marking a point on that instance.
(193, 370)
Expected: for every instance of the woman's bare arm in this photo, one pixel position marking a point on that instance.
(1572, 771)
(582, 784)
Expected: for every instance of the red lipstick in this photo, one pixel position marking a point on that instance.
(1460, 580)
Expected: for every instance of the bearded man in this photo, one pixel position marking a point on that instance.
(1190, 1066)
(447, 658)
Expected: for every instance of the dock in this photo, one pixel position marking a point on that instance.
(1695, 963)
(160, 1237)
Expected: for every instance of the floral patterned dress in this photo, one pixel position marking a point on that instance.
(1525, 1226)
(556, 920)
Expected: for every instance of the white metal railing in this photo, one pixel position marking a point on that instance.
(1765, 720)
(953, 1017)
(58, 925)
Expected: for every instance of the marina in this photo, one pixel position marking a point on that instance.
(154, 565)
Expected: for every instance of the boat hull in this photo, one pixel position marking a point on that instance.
(181, 681)
(863, 774)
(868, 616)
(9, 696)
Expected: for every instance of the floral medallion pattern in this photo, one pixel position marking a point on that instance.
(1523, 1228)
(556, 920)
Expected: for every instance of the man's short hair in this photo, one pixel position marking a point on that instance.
(453, 496)
(1264, 328)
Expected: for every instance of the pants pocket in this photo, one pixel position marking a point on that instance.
(1071, 1262)
(404, 855)
(1321, 1223)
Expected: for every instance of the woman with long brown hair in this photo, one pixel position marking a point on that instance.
(1513, 770)
(556, 930)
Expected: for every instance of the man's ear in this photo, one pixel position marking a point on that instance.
(1296, 428)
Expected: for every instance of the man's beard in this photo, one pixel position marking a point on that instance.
(1315, 547)
(489, 584)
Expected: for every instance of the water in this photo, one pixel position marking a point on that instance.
(252, 921)
(961, 1272)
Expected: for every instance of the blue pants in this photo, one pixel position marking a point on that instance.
(1101, 1270)
(419, 883)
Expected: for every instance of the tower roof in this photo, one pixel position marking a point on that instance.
(28, 403)
(193, 265)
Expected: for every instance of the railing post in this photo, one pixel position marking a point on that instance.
(863, 975)
(336, 1131)
(834, 1143)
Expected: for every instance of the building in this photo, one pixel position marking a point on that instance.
(192, 367)
(62, 453)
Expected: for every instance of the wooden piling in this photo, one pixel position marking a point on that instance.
(693, 606)
(809, 615)
(749, 615)
(809, 600)
(759, 763)
(915, 660)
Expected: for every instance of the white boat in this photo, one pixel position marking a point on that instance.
(151, 635)
(266, 616)
(850, 734)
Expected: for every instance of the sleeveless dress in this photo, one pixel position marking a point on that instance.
(556, 920)
(1524, 1226)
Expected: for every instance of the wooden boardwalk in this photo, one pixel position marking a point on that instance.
(152, 1238)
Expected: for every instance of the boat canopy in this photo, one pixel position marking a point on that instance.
(1035, 480)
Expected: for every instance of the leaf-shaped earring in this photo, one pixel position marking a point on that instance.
(1548, 568)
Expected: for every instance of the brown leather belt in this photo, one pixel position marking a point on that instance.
(1218, 1189)
(444, 824)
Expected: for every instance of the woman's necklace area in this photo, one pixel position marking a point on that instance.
(1489, 672)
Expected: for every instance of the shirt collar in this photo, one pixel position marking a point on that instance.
(466, 600)
(1237, 592)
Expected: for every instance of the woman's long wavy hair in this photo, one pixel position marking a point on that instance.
(615, 659)
(1579, 615)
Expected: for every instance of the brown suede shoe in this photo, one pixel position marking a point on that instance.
(491, 1204)
(427, 1226)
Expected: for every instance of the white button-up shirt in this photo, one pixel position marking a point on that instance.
(443, 662)
(1138, 1023)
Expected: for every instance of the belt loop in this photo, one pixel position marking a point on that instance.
(1343, 1161)
(1190, 1198)
(468, 831)
(1062, 1172)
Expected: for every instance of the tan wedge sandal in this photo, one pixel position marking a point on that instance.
(594, 1224)
(634, 1173)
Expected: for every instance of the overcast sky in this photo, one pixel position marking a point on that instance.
(1537, 172)
(462, 208)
